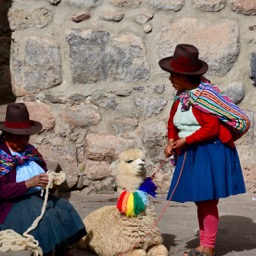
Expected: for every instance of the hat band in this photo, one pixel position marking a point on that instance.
(181, 67)
(17, 125)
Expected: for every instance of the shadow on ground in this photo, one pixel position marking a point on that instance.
(169, 240)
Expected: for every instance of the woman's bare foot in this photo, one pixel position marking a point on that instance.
(200, 248)
(208, 250)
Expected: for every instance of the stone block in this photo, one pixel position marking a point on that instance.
(246, 7)
(106, 147)
(210, 5)
(82, 115)
(214, 33)
(174, 5)
(20, 18)
(38, 68)
(99, 56)
(41, 112)
(97, 170)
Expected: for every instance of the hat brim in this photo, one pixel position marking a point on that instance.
(165, 65)
(35, 128)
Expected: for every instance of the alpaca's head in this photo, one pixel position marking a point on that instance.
(132, 162)
(130, 169)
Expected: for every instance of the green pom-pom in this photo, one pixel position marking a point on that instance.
(139, 206)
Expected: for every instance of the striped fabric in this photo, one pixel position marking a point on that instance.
(208, 98)
(7, 162)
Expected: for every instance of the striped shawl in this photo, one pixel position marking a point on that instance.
(208, 98)
(8, 162)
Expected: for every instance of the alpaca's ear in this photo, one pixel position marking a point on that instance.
(113, 167)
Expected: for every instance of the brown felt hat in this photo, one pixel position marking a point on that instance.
(184, 61)
(17, 120)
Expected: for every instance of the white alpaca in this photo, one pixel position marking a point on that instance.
(111, 233)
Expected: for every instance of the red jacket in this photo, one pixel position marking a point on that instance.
(10, 190)
(211, 128)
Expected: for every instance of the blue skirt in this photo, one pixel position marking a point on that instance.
(60, 225)
(206, 171)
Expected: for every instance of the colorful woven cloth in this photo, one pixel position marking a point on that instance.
(7, 162)
(132, 204)
(208, 98)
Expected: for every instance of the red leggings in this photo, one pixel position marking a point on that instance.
(208, 219)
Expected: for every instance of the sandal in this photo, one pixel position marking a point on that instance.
(193, 252)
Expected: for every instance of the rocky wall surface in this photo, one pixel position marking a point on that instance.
(5, 45)
(88, 70)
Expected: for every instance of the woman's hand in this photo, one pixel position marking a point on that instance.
(38, 180)
(180, 143)
(169, 148)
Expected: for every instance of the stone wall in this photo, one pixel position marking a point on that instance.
(5, 44)
(88, 70)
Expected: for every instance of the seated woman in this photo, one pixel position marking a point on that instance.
(22, 176)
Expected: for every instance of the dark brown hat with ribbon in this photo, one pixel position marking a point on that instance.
(17, 121)
(184, 61)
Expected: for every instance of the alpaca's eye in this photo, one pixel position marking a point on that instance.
(128, 161)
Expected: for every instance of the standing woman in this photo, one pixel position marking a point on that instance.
(22, 176)
(202, 127)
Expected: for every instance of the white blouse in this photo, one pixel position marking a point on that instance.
(185, 122)
(27, 171)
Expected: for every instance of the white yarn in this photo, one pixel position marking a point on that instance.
(12, 241)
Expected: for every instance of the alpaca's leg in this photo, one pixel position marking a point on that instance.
(158, 250)
(137, 252)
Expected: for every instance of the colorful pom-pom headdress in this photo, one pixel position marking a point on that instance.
(132, 204)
